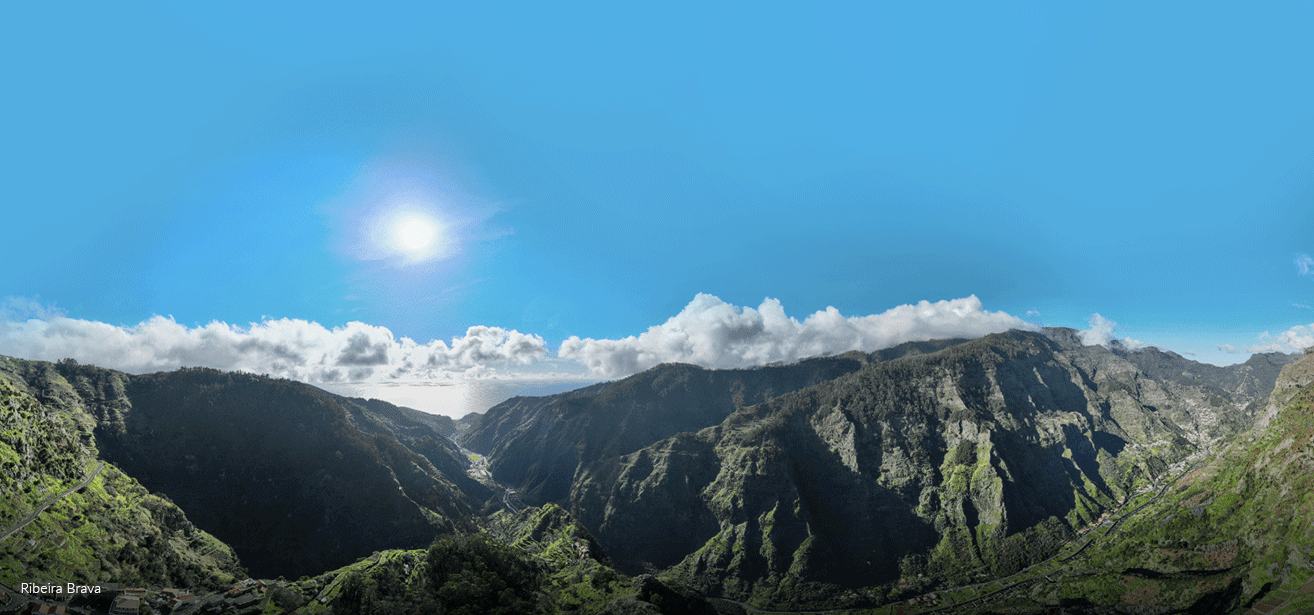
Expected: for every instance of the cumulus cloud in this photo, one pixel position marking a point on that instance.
(1294, 339)
(712, 333)
(285, 347)
(1305, 264)
(1101, 332)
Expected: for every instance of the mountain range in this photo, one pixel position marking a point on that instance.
(1018, 472)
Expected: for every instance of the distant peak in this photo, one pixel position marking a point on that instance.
(1299, 373)
(1065, 336)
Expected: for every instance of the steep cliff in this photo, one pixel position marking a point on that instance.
(66, 516)
(1236, 532)
(537, 443)
(974, 460)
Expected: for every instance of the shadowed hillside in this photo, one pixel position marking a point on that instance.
(65, 515)
(972, 460)
(852, 481)
(537, 443)
(297, 480)
(1236, 533)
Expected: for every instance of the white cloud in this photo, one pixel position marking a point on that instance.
(290, 348)
(1305, 264)
(1300, 305)
(1101, 332)
(712, 333)
(1229, 349)
(1294, 339)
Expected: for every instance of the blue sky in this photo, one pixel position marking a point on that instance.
(185, 184)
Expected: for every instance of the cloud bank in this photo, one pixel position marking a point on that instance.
(707, 332)
(712, 333)
(289, 348)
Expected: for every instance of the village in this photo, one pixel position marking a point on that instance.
(243, 598)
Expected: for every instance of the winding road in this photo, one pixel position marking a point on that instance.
(479, 471)
(44, 505)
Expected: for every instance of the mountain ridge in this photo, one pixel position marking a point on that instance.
(966, 483)
(537, 443)
(328, 478)
(65, 515)
(847, 482)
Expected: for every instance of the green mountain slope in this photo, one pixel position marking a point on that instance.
(537, 443)
(295, 479)
(61, 527)
(972, 461)
(1235, 535)
(1214, 385)
(840, 482)
(538, 560)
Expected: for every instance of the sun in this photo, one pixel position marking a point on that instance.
(410, 234)
(415, 235)
(414, 232)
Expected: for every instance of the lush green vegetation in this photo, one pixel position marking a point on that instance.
(974, 460)
(1235, 532)
(528, 562)
(469, 575)
(328, 478)
(846, 482)
(111, 529)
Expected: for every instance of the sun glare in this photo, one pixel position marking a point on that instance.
(406, 235)
(415, 235)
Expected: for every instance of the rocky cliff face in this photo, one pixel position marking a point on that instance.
(537, 443)
(842, 481)
(1235, 531)
(976, 459)
(1218, 387)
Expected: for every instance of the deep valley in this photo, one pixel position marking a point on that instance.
(1021, 472)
